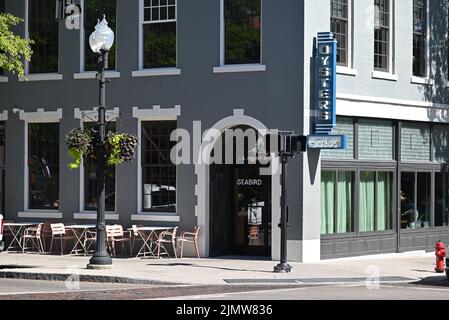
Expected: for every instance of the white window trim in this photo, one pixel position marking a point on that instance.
(3, 79)
(155, 217)
(150, 72)
(420, 80)
(390, 73)
(40, 214)
(93, 75)
(142, 115)
(78, 114)
(230, 68)
(80, 75)
(36, 76)
(346, 71)
(92, 215)
(425, 80)
(40, 116)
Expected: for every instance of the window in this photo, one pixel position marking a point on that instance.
(419, 38)
(159, 33)
(242, 22)
(376, 201)
(440, 136)
(43, 29)
(90, 179)
(93, 10)
(415, 200)
(158, 171)
(345, 126)
(337, 202)
(2, 166)
(415, 142)
(376, 140)
(340, 28)
(382, 35)
(43, 166)
(441, 199)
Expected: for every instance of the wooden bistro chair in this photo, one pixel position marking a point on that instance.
(190, 237)
(89, 239)
(115, 234)
(168, 236)
(59, 232)
(35, 235)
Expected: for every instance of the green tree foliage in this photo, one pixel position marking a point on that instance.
(13, 48)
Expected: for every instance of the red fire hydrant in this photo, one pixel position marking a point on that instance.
(440, 253)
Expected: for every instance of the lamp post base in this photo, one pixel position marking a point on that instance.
(100, 263)
(283, 267)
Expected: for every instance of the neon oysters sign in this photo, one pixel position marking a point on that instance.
(326, 75)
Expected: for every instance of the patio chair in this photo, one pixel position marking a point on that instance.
(135, 236)
(168, 236)
(90, 238)
(190, 237)
(59, 232)
(35, 235)
(115, 234)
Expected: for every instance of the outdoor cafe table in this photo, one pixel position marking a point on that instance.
(79, 232)
(148, 236)
(17, 229)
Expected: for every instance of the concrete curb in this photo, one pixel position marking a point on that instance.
(81, 278)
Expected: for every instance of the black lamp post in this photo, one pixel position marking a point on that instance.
(101, 41)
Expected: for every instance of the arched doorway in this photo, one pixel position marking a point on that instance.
(240, 202)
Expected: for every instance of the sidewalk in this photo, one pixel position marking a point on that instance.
(406, 267)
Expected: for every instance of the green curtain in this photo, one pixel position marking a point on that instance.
(384, 201)
(367, 196)
(327, 202)
(345, 203)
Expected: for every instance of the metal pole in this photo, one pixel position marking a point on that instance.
(101, 258)
(283, 266)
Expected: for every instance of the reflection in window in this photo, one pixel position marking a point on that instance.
(339, 26)
(43, 29)
(419, 37)
(242, 31)
(90, 178)
(415, 200)
(441, 199)
(93, 10)
(158, 171)
(337, 202)
(159, 33)
(43, 166)
(376, 201)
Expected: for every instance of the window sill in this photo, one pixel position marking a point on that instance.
(93, 75)
(424, 81)
(41, 77)
(40, 214)
(156, 217)
(240, 68)
(89, 215)
(3, 79)
(156, 72)
(385, 76)
(346, 71)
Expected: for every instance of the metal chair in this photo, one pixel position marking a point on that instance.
(168, 236)
(190, 237)
(35, 235)
(90, 238)
(59, 232)
(115, 234)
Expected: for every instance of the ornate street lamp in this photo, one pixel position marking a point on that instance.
(101, 41)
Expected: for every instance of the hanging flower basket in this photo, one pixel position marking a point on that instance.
(117, 148)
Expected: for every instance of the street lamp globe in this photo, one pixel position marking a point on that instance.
(102, 38)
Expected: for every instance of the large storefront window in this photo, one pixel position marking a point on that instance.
(93, 10)
(43, 166)
(415, 200)
(158, 171)
(376, 201)
(337, 202)
(242, 31)
(90, 179)
(441, 199)
(43, 30)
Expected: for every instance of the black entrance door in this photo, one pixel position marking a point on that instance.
(240, 211)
